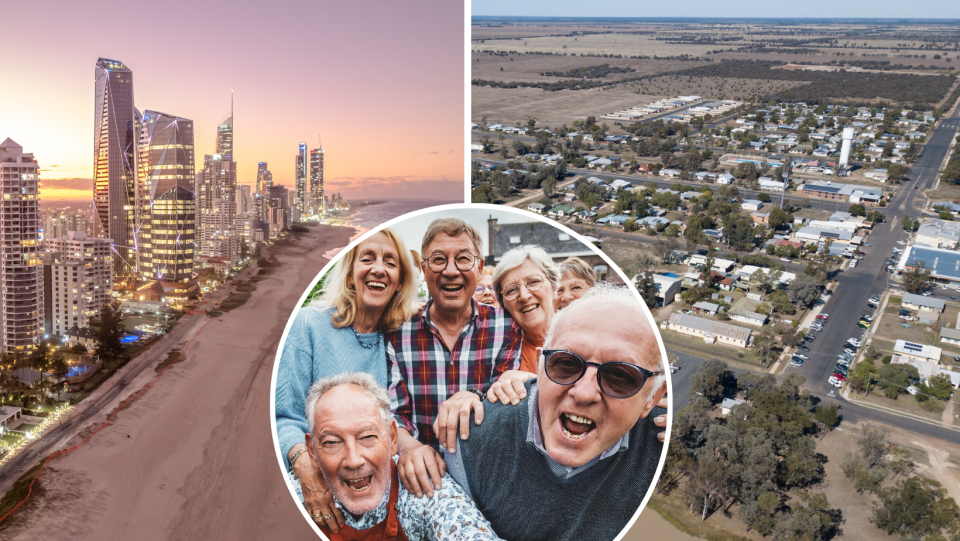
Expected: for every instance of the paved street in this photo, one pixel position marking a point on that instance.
(848, 301)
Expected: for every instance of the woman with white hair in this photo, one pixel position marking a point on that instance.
(370, 292)
(525, 284)
(576, 277)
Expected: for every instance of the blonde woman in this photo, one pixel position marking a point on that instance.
(370, 292)
(525, 284)
(576, 277)
(484, 293)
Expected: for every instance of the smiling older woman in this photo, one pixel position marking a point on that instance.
(525, 284)
(371, 291)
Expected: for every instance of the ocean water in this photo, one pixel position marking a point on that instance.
(368, 217)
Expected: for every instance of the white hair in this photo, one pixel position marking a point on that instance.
(366, 382)
(618, 300)
(517, 257)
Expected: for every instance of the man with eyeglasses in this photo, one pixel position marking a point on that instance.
(448, 354)
(575, 458)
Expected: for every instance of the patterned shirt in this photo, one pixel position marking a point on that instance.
(423, 372)
(449, 515)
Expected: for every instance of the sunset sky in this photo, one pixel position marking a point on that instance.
(380, 82)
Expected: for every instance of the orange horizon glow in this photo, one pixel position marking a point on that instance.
(383, 88)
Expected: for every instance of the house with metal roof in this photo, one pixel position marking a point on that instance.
(710, 331)
(920, 303)
(938, 233)
(942, 264)
(536, 207)
(950, 336)
(728, 404)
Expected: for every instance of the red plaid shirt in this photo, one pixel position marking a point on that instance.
(423, 372)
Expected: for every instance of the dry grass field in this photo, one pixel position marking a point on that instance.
(512, 106)
(622, 44)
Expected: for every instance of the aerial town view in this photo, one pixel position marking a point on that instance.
(152, 259)
(785, 194)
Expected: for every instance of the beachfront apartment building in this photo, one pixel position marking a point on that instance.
(78, 280)
(21, 278)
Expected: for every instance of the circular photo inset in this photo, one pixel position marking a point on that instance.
(471, 372)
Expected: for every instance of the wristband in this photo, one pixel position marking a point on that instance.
(479, 394)
(295, 457)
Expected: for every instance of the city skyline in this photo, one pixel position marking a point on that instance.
(375, 98)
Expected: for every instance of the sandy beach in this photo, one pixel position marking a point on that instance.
(193, 458)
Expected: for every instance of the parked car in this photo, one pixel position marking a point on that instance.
(905, 326)
(795, 363)
(854, 342)
(802, 356)
(840, 376)
(785, 259)
(823, 316)
(804, 348)
(926, 293)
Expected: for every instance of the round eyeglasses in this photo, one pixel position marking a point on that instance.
(464, 262)
(616, 379)
(532, 283)
(481, 289)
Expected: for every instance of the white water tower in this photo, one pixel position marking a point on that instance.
(845, 149)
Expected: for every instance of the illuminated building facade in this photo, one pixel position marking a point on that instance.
(217, 205)
(300, 188)
(166, 206)
(316, 181)
(21, 274)
(115, 139)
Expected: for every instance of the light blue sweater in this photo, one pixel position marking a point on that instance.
(316, 349)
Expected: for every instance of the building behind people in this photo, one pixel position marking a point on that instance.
(577, 456)
(576, 277)
(525, 284)
(351, 442)
(371, 291)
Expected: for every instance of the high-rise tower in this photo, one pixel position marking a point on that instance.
(115, 138)
(264, 181)
(166, 206)
(21, 273)
(301, 185)
(225, 134)
(316, 181)
(217, 207)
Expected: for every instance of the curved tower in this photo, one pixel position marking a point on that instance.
(116, 132)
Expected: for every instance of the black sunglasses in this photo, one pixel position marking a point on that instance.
(616, 379)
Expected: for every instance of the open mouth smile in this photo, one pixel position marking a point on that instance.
(377, 285)
(528, 309)
(576, 427)
(452, 288)
(359, 485)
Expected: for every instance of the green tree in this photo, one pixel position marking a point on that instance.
(915, 508)
(712, 380)
(108, 346)
(59, 367)
(857, 209)
(917, 279)
(804, 290)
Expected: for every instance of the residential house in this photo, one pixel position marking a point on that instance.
(709, 330)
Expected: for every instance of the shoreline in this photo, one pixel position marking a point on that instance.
(181, 460)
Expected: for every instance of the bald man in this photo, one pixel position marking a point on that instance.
(576, 456)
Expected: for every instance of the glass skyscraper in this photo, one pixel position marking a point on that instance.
(115, 138)
(166, 206)
(301, 184)
(316, 181)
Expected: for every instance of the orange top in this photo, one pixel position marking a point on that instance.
(528, 356)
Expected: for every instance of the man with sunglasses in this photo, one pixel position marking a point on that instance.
(447, 354)
(575, 458)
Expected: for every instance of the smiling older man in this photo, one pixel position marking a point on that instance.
(575, 459)
(351, 442)
(449, 353)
